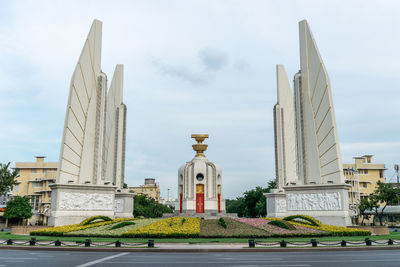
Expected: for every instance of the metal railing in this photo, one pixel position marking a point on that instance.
(86, 243)
(315, 243)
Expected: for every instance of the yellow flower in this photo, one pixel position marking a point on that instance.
(170, 227)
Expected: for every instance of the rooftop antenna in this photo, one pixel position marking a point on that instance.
(396, 168)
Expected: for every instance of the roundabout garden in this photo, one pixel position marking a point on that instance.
(184, 227)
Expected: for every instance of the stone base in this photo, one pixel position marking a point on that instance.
(328, 203)
(208, 214)
(72, 203)
(124, 204)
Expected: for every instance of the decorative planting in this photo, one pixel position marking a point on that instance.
(170, 227)
(122, 224)
(275, 231)
(282, 224)
(105, 231)
(222, 222)
(95, 219)
(293, 226)
(234, 228)
(63, 230)
(304, 219)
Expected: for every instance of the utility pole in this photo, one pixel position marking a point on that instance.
(170, 189)
(396, 168)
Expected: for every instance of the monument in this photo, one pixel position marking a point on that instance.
(307, 153)
(200, 184)
(90, 174)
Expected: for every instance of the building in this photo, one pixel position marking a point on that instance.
(200, 184)
(150, 189)
(33, 182)
(307, 152)
(90, 175)
(363, 176)
(5, 198)
(367, 173)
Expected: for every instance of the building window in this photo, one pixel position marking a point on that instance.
(380, 173)
(36, 184)
(364, 184)
(33, 170)
(16, 188)
(35, 203)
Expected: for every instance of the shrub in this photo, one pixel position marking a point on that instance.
(282, 224)
(122, 224)
(303, 219)
(94, 219)
(222, 222)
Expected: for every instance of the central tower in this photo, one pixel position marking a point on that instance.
(200, 184)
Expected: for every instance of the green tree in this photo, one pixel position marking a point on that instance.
(149, 208)
(235, 206)
(253, 202)
(365, 205)
(18, 208)
(383, 196)
(7, 178)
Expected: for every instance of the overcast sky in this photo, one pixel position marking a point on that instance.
(200, 67)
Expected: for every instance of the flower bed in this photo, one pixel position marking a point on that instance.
(106, 231)
(62, 230)
(332, 230)
(234, 228)
(276, 231)
(170, 227)
(336, 230)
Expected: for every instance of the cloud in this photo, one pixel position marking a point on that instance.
(182, 72)
(213, 59)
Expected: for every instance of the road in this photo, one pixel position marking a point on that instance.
(285, 259)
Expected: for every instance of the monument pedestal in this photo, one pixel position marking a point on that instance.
(328, 203)
(200, 185)
(71, 204)
(124, 204)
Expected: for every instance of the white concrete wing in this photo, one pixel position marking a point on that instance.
(285, 133)
(321, 143)
(114, 141)
(78, 142)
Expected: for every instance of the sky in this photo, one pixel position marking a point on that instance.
(200, 67)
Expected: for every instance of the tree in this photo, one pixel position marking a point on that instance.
(383, 196)
(149, 208)
(235, 206)
(252, 204)
(19, 208)
(365, 204)
(7, 178)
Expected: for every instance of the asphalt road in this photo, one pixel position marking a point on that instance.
(285, 259)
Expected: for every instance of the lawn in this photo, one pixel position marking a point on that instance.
(7, 235)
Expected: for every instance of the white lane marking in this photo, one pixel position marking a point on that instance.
(13, 261)
(90, 263)
(295, 265)
(13, 258)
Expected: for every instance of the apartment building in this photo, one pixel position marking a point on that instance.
(33, 181)
(363, 176)
(150, 188)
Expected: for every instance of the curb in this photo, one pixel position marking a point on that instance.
(199, 250)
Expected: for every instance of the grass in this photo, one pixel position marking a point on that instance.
(7, 235)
